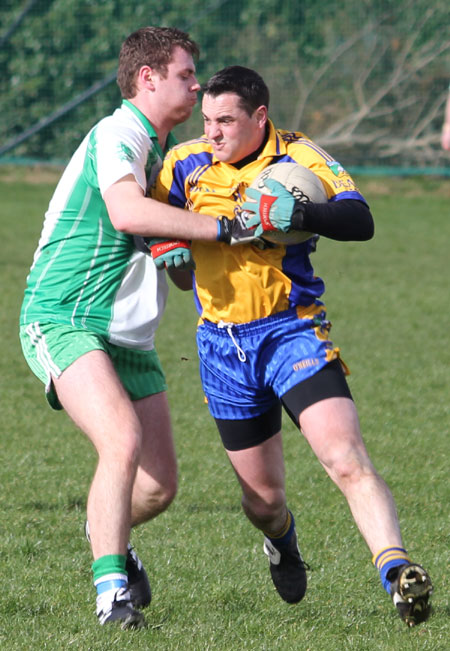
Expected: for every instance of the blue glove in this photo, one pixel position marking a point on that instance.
(171, 254)
(274, 211)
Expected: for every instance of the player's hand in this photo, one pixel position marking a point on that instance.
(235, 231)
(277, 211)
(171, 254)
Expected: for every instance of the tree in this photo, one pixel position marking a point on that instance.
(367, 79)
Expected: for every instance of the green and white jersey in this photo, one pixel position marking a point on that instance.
(84, 271)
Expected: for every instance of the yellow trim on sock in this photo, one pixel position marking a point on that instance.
(389, 554)
(283, 531)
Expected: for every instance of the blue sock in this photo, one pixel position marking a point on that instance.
(386, 560)
(284, 535)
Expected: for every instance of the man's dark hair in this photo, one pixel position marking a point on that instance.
(150, 46)
(244, 82)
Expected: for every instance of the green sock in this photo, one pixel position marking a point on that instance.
(108, 568)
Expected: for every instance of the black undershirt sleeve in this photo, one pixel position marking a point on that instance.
(344, 220)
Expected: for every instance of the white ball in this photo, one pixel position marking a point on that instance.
(299, 181)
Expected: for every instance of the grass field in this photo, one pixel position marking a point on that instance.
(388, 301)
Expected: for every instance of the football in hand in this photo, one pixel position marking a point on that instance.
(300, 182)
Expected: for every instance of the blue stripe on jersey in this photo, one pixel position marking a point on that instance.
(182, 170)
(278, 144)
(293, 137)
(351, 194)
(198, 305)
(316, 148)
(285, 159)
(297, 266)
(194, 177)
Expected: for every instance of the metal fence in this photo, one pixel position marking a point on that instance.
(366, 79)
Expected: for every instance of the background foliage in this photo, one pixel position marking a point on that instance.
(367, 79)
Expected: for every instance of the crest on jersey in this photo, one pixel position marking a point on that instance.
(125, 153)
(335, 167)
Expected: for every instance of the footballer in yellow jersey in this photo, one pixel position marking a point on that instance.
(263, 336)
(242, 283)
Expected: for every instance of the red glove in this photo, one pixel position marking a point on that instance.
(171, 253)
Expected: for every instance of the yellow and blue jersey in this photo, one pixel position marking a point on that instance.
(238, 284)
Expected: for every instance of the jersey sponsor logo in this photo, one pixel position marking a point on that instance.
(305, 363)
(346, 184)
(201, 188)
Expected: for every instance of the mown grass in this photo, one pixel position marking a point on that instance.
(388, 301)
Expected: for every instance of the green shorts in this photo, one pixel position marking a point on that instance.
(49, 348)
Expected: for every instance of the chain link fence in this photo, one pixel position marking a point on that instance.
(366, 79)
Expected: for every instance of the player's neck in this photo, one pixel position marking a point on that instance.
(254, 155)
(160, 123)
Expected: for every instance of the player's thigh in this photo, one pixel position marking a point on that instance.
(332, 429)
(260, 469)
(157, 461)
(95, 399)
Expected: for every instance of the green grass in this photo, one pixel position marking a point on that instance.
(388, 301)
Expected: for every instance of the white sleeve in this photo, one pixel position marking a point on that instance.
(120, 151)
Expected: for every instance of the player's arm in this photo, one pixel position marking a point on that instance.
(130, 211)
(182, 279)
(344, 220)
(445, 136)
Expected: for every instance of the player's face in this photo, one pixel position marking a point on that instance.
(232, 133)
(177, 92)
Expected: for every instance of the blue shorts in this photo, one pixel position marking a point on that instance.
(246, 368)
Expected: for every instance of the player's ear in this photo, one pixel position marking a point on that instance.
(261, 115)
(146, 78)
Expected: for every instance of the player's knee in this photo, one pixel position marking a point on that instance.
(351, 470)
(167, 492)
(122, 453)
(264, 506)
(155, 497)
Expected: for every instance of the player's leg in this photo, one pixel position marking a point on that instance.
(322, 407)
(93, 396)
(248, 416)
(321, 404)
(75, 363)
(332, 429)
(260, 472)
(155, 484)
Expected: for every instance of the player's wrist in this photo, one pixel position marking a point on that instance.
(446, 126)
(223, 229)
(159, 246)
(298, 216)
(234, 231)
